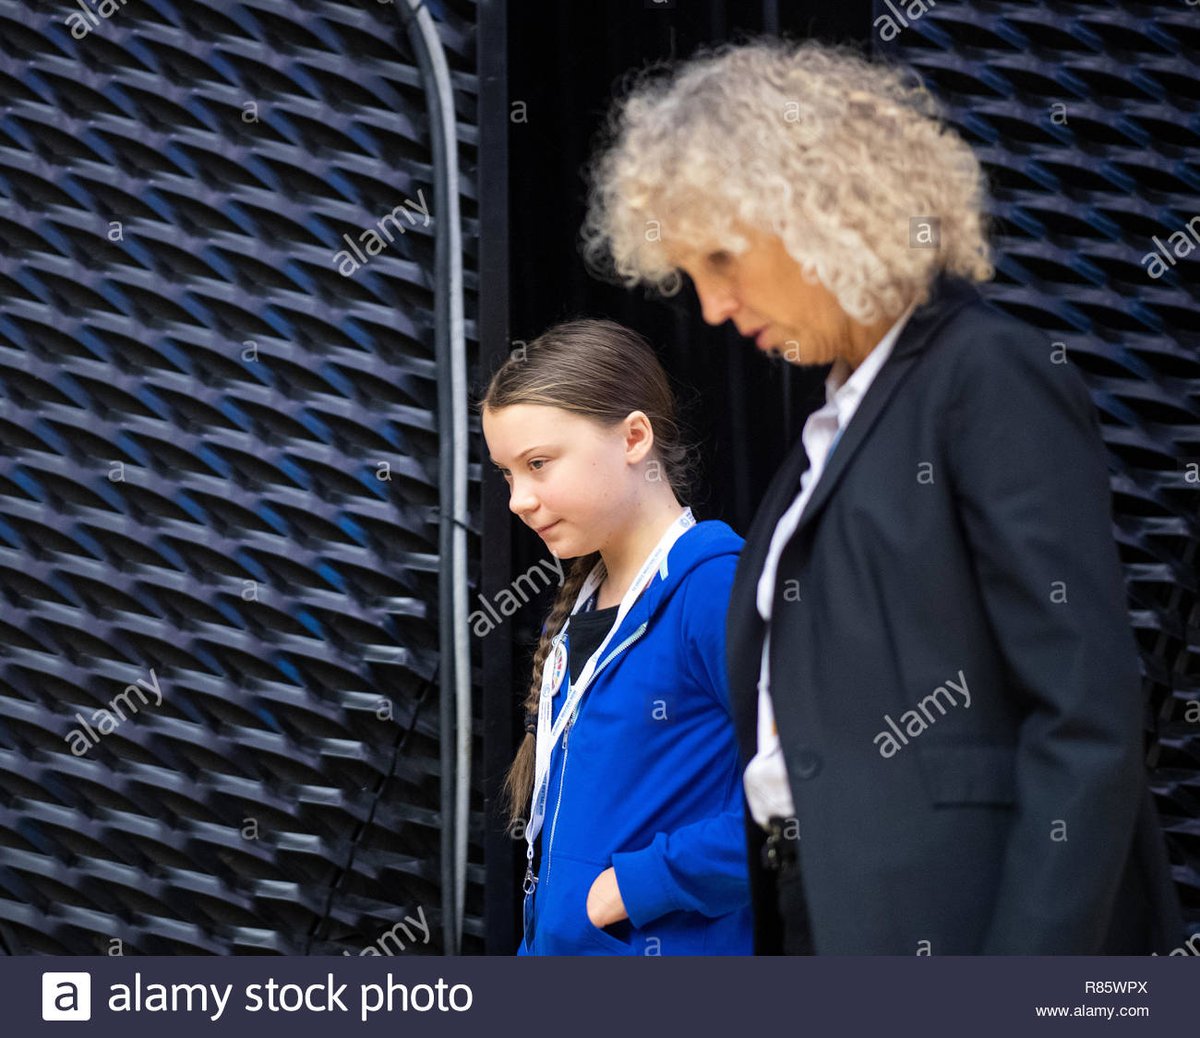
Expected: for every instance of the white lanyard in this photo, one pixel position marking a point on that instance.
(555, 669)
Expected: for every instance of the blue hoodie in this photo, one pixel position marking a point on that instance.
(647, 778)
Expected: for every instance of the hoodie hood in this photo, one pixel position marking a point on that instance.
(696, 546)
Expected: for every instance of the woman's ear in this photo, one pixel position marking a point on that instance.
(639, 436)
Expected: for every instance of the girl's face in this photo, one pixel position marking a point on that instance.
(571, 479)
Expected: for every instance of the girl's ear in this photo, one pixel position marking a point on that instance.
(639, 436)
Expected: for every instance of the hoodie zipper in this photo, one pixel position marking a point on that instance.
(562, 779)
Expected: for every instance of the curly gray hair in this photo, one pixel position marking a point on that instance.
(843, 158)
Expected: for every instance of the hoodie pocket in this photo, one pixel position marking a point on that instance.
(563, 922)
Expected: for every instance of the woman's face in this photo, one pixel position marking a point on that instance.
(764, 293)
(570, 478)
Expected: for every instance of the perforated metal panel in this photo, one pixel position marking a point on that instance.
(1085, 116)
(218, 474)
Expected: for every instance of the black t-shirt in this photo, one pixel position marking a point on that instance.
(586, 632)
(584, 636)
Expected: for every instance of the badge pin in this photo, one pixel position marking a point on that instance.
(559, 669)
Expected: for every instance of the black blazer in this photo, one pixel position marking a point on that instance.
(959, 538)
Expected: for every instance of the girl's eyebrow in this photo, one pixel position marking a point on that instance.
(527, 450)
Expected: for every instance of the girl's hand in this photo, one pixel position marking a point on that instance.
(604, 904)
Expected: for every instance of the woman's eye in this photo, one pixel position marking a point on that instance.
(537, 464)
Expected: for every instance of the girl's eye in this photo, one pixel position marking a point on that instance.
(537, 464)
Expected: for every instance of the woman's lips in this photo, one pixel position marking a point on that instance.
(546, 529)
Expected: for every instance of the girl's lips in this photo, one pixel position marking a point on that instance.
(546, 529)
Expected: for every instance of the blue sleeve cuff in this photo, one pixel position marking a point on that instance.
(646, 884)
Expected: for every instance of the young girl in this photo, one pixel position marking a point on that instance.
(628, 780)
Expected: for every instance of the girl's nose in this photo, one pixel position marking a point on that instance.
(520, 500)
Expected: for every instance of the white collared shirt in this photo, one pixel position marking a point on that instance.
(765, 779)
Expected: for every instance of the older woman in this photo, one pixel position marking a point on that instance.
(936, 684)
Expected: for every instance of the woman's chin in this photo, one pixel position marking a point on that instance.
(803, 352)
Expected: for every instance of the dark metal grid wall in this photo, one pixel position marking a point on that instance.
(283, 595)
(1085, 116)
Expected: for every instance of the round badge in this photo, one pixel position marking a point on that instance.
(559, 669)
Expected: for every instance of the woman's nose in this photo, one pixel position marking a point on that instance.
(717, 303)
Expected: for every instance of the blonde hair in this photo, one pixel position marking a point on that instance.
(602, 371)
(836, 154)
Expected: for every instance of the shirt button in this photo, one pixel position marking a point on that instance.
(808, 763)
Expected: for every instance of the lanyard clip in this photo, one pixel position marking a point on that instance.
(530, 880)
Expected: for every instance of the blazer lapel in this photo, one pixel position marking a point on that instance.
(948, 296)
(785, 485)
(744, 627)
